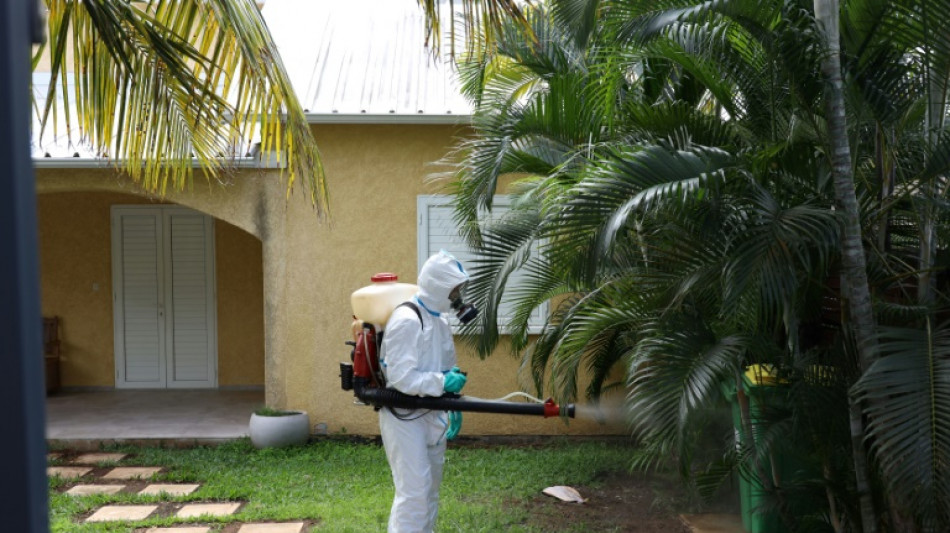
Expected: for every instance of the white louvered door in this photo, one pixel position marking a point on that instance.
(139, 322)
(163, 281)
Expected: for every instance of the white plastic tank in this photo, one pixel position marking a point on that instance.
(375, 302)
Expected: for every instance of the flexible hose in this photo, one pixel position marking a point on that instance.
(512, 395)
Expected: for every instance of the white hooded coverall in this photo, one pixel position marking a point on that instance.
(414, 358)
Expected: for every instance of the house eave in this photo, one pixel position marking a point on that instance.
(84, 162)
(386, 118)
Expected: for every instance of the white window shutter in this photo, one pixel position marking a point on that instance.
(438, 231)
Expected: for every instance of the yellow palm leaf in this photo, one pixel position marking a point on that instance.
(154, 86)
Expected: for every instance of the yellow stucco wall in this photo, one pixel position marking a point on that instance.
(239, 272)
(76, 284)
(375, 173)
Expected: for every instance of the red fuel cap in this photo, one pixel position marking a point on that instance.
(384, 276)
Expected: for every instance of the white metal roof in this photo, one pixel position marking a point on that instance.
(364, 61)
(350, 61)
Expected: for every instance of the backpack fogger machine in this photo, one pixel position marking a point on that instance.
(372, 306)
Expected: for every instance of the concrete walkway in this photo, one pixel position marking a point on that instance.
(135, 415)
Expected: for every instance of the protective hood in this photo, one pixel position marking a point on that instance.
(439, 275)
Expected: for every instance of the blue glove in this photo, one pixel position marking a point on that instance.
(455, 425)
(454, 381)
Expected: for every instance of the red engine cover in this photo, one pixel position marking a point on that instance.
(365, 356)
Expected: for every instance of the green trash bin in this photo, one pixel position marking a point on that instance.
(765, 393)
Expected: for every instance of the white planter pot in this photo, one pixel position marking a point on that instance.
(277, 431)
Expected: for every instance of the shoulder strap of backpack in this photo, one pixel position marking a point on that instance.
(415, 308)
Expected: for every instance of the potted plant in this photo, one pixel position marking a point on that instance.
(273, 428)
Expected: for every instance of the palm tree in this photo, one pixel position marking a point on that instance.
(606, 213)
(689, 224)
(853, 264)
(156, 85)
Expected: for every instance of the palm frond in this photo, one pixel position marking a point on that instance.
(632, 181)
(580, 17)
(674, 373)
(154, 86)
(907, 393)
(597, 336)
(479, 21)
(776, 249)
(504, 248)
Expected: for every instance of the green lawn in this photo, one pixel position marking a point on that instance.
(346, 486)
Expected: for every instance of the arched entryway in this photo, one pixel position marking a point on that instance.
(130, 277)
(97, 248)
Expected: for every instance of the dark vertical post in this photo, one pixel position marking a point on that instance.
(23, 506)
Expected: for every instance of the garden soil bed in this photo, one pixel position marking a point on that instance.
(618, 503)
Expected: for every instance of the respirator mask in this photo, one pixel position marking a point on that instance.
(463, 311)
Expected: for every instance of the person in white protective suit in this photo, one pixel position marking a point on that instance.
(419, 359)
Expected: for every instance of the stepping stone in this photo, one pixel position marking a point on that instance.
(114, 513)
(172, 490)
(132, 472)
(86, 490)
(96, 458)
(288, 527)
(193, 510)
(67, 471)
(178, 530)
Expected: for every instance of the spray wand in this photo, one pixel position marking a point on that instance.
(382, 397)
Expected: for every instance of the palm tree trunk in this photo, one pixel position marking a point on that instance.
(853, 264)
(887, 173)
